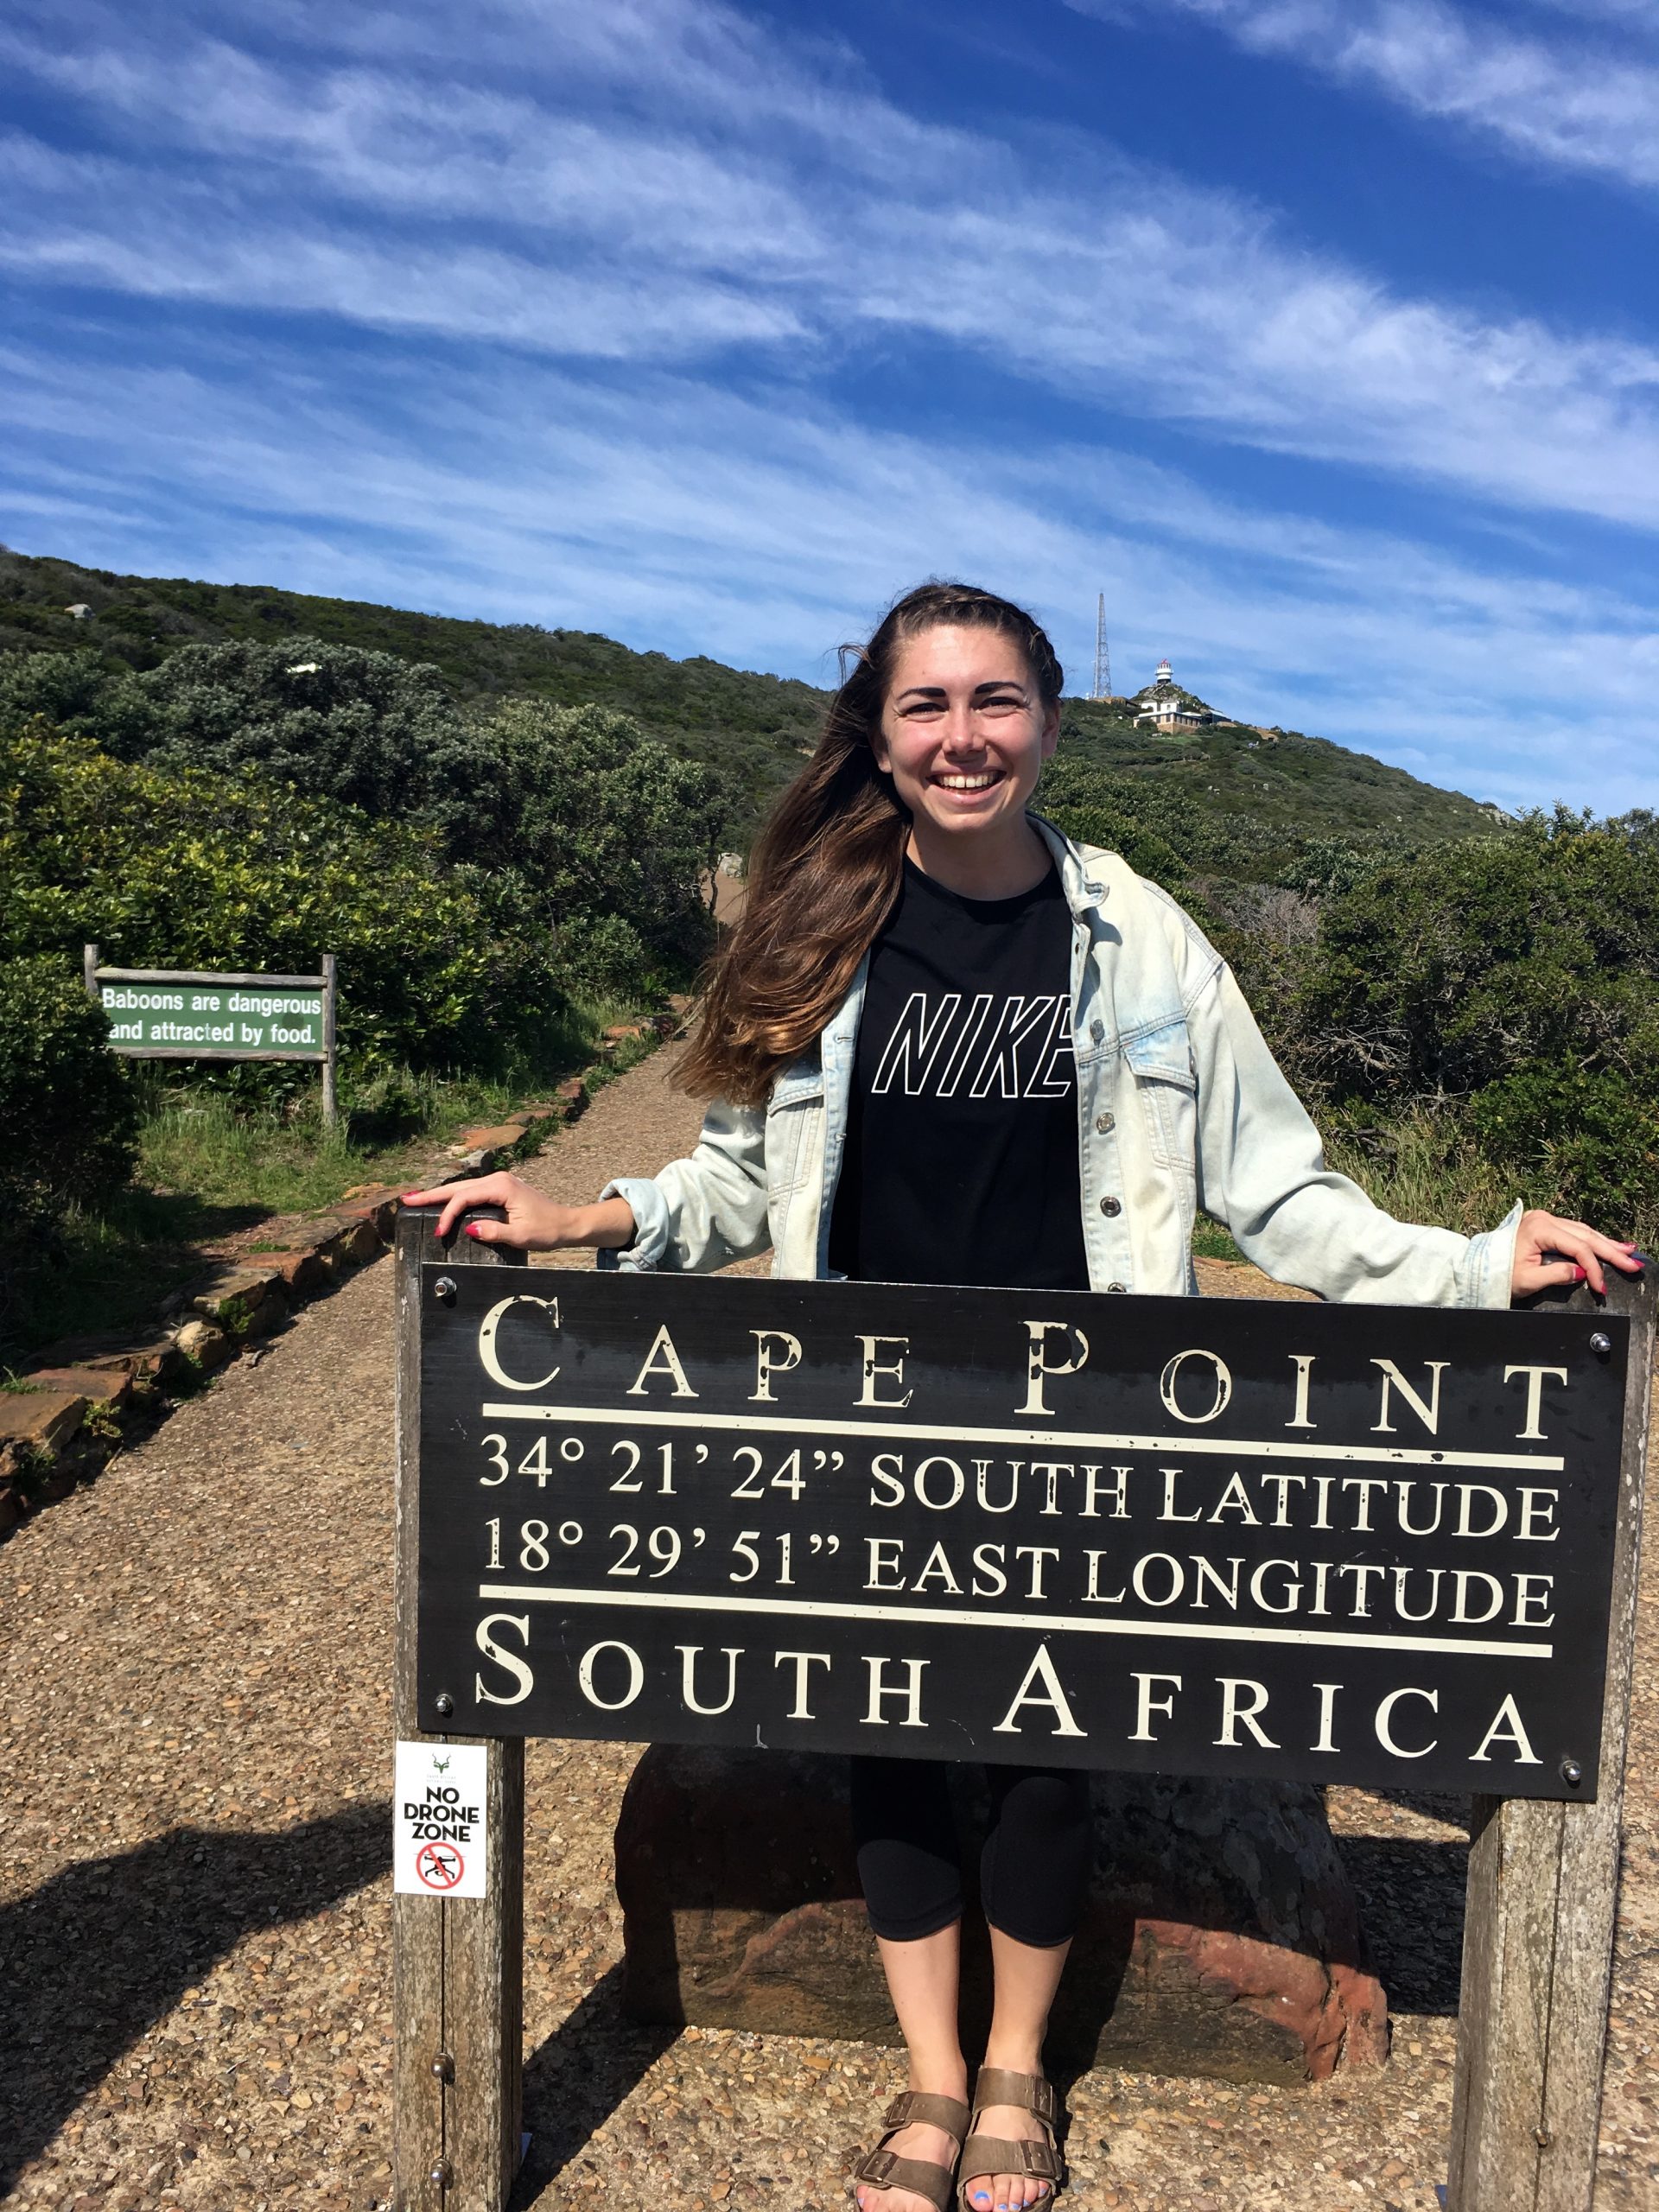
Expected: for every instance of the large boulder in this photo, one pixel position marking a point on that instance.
(1222, 1935)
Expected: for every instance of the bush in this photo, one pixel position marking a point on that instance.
(1513, 984)
(78, 694)
(571, 814)
(189, 870)
(610, 834)
(67, 1113)
(335, 722)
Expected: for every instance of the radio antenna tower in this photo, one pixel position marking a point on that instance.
(1102, 655)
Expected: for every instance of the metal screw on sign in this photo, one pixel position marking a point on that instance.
(1572, 1773)
(1601, 1344)
(1542, 2138)
(440, 2175)
(444, 1291)
(445, 1703)
(444, 2067)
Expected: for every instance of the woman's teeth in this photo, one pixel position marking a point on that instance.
(979, 782)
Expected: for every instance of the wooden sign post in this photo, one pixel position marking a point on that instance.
(161, 1013)
(457, 1962)
(1542, 1898)
(1379, 1545)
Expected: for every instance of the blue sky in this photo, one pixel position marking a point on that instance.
(1321, 336)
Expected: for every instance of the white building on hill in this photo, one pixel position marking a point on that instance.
(1164, 705)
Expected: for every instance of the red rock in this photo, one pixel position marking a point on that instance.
(36, 1424)
(349, 1243)
(501, 1137)
(375, 1203)
(100, 1386)
(1222, 1936)
(146, 1358)
(245, 1297)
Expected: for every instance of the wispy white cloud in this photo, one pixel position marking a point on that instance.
(816, 216)
(687, 516)
(577, 224)
(1571, 103)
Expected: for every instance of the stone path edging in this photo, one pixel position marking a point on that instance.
(83, 1396)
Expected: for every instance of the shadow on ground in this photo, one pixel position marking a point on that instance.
(1411, 1900)
(108, 1946)
(578, 2077)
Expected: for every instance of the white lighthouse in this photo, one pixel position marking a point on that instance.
(1164, 708)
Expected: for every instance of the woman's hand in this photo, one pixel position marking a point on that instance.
(534, 1222)
(1549, 1251)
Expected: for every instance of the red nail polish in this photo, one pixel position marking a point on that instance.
(1578, 1275)
(472, 1230)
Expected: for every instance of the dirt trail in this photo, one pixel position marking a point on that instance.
(195, 1887)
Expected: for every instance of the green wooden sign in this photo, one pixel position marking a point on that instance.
(157, 1014)
(233, 1021)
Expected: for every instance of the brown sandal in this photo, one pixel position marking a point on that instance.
(982, 2155)
(884, 2169)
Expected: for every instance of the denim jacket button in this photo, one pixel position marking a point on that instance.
(1104, 1124)
(1111, 1207)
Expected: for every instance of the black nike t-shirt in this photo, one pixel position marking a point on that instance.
(961, 1164)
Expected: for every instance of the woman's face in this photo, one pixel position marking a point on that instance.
(964, 732)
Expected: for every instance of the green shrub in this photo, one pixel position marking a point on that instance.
(80, 695)
(571, 814)
(189, 870)
(1510, 984)
(67, 1120)
(335, 722)
(610, 834)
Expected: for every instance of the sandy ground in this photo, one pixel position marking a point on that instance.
(196, 1771)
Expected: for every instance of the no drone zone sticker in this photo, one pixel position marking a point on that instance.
(438, 1834)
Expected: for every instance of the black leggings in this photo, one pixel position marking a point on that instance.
(1034, 1868)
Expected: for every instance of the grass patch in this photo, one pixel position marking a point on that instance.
(210, 1164)
(1419, 1168)
(1211, 1241)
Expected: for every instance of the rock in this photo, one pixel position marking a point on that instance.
(499, 1138)
(36, 1424)
(246, 1299)
(146, 1357)
(1222, 1936)
(572, 1094)
(374, 1203)
(300, 1271)
(99, 1385)
(205, 1343)
(349, 1243)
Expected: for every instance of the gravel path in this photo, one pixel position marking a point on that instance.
(196, 1767)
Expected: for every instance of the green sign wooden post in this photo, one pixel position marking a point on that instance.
(158, 1014)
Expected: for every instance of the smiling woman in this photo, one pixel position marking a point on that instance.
(951, 1046)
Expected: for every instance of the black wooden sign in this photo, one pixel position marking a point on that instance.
(1363, 1544)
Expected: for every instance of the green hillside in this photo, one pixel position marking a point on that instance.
(752, 727)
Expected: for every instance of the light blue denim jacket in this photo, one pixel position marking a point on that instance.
(1179, 1105)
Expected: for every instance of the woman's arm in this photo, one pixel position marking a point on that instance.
(695, 1213)
(534, 1222)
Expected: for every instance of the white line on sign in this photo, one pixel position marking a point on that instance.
(913, 1617)
(921, 1435)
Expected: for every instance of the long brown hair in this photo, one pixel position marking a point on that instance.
(826, 867)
